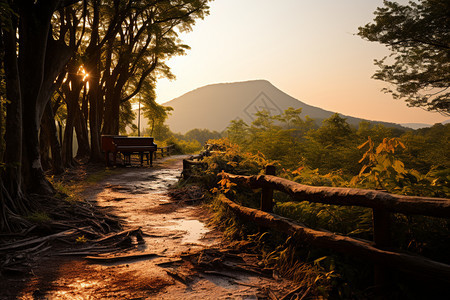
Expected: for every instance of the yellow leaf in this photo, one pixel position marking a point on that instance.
(380, 148)
(365, 143)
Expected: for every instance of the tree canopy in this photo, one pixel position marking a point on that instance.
(418, 35)
(82, 61)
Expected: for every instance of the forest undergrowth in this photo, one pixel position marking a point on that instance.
(396, 163)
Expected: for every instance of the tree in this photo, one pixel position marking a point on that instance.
(145, 41)
(155, 113)
(332, 146)
(33, 58)
(201, 135)
(418, 35)
(238, 132)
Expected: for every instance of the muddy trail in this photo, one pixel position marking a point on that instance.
(174, 255)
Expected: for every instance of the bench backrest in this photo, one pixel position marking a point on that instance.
(110, 142)
(133, 141)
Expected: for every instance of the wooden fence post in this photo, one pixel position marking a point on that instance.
(382, 237)
(185, 169)
(267, 192)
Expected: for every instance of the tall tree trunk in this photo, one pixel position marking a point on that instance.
(48, 120)
(95, 123)
(38, 68)
(112, 115)
(44, 145)
(72, 98)
(82, 135)
(12, 175)
(93, 52)
(67, 149)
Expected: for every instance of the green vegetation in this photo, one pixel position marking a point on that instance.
(81, 67)
(334, 154)
(417, 34)
(188, 143)
(39, 217)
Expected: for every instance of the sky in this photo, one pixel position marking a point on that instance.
(307, 48)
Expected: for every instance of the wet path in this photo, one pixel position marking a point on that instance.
(139, 196)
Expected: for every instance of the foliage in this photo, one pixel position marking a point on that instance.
(418, 35)
(183, 147)
(39, 217)
(427, 148)
(230, 158)
(126, 118)
(200, 135)
(383, 170)
(156, 114)
(328, 156)
(81, 239)
(268, 134)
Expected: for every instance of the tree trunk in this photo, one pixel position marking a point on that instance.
(12, 175)
(93, 52)
(38, 67)
(55, 146)
(94, 119)
(44, 145)
(72, 97)
(82, 135)
(112, 116)
(67, 152)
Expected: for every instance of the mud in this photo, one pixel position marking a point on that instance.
(139, 197)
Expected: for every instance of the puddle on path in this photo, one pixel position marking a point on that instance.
(193, 230)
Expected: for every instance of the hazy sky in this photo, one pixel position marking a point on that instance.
(307, 48)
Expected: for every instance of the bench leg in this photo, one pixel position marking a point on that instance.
(107, 158)
(126, 159)
(141, 156)
(151, 159)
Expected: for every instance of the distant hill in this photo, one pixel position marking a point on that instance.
(214, 106)
(421, 125)
(415, 125)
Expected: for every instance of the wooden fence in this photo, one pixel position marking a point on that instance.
(164, 150)
(194, 161)
(382, 204)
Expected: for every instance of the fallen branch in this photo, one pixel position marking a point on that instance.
(110, 259)
(135, 231)
(22, 244)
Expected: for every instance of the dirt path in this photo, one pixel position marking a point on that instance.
(139, 196)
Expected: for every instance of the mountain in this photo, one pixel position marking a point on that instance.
(214, 106)
(416, 125)
(421, 125)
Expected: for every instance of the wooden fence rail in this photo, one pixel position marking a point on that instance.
(194, 160)
(426, 206)
(164, 150)
(416, 265)
(382, 204)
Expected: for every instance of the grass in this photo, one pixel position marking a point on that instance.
(278, 252)
(100, 175)
(70, 190)
(39, 217)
